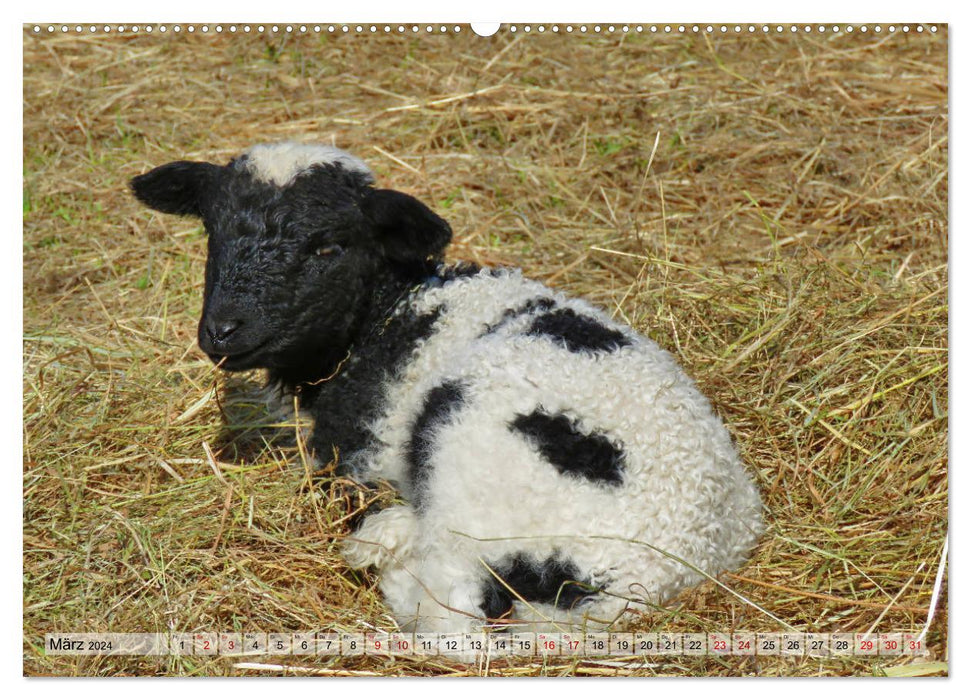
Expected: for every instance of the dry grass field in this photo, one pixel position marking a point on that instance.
(772, 209)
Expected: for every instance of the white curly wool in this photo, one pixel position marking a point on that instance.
(685, 505)
(280, 163)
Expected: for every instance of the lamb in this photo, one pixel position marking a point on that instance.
(557, 468)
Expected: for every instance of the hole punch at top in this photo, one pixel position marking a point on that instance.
(485, 28)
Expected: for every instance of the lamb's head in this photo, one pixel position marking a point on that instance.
(298, 237)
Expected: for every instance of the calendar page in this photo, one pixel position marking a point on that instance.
(602, 347)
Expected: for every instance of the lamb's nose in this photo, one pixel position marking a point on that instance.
(219, 331)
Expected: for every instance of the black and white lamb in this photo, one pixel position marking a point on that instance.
(556, 466)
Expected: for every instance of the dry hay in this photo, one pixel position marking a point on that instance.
(788, 242)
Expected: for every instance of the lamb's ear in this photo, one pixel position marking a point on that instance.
(175, 188)
(407, 230)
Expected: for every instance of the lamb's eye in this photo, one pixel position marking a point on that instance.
(329, 250)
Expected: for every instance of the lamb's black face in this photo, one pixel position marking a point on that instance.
(291, 266)
(288, 268)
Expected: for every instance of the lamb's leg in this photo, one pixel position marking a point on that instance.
(418, 585)
(384, 538)
(432, 591)
(428, 591)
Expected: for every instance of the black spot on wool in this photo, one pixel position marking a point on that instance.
(555, 581)
(593, 457)
(577, 332)
(531, 306)
(440, 403)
